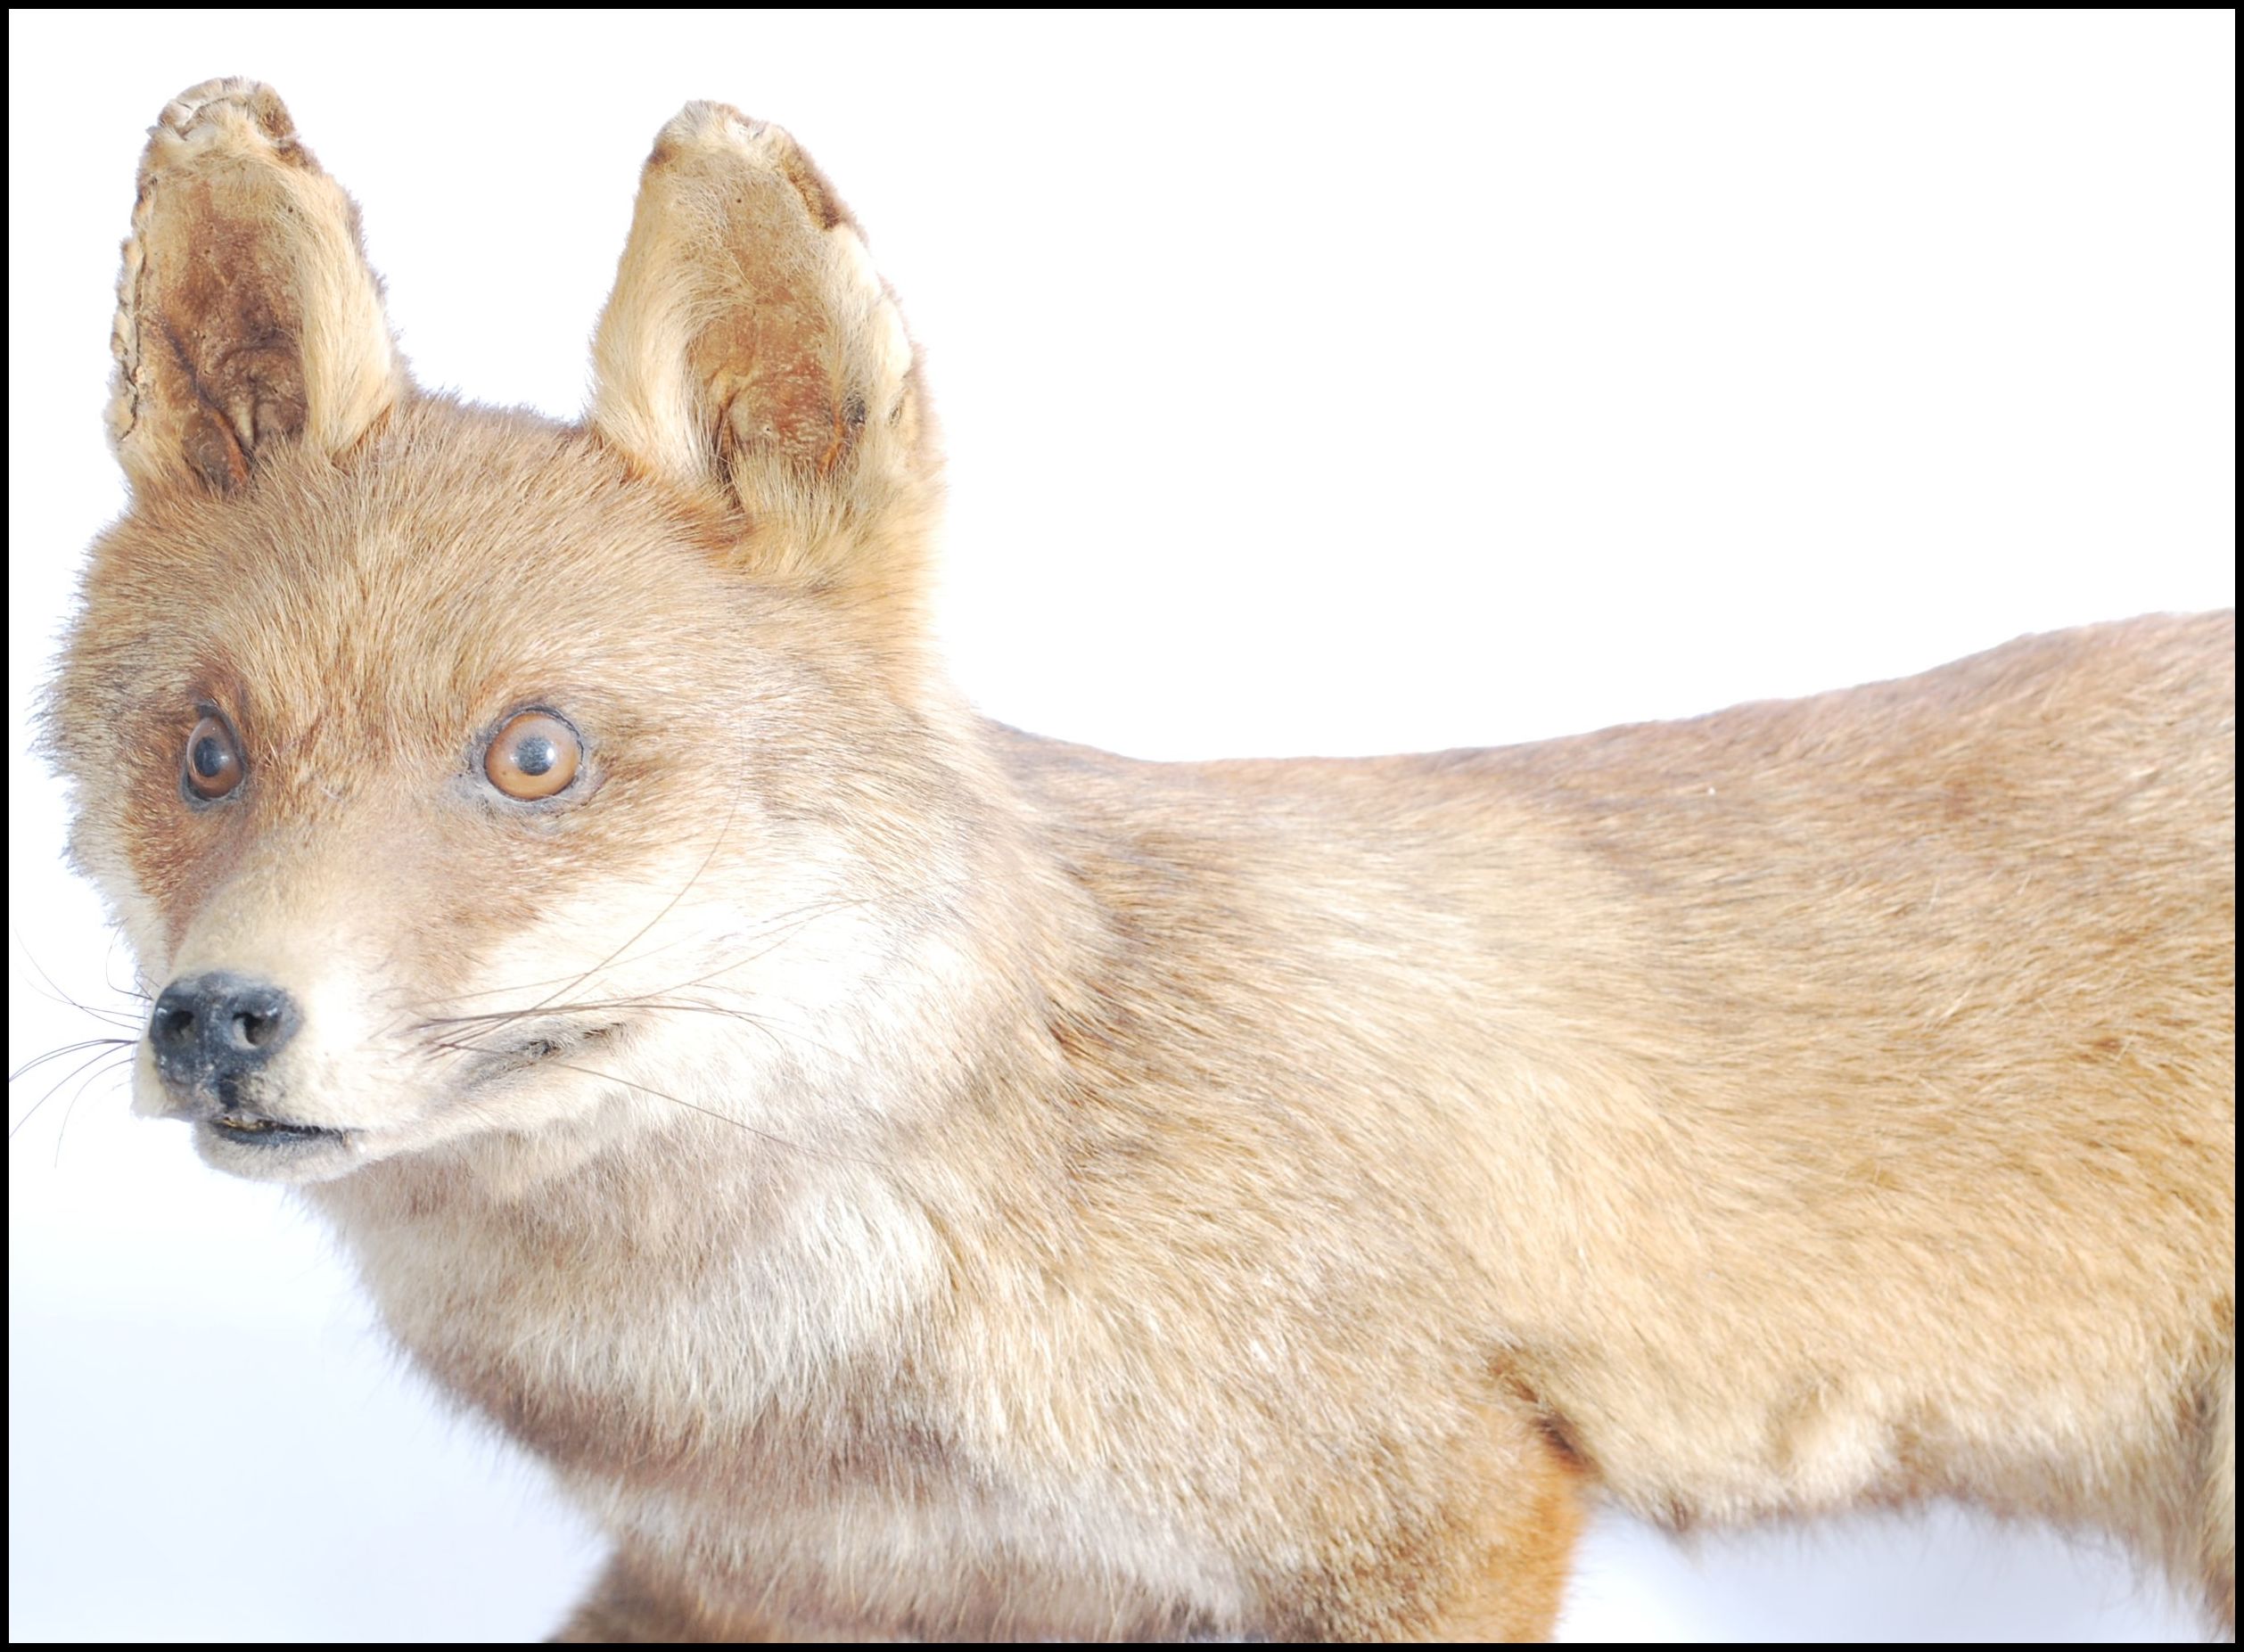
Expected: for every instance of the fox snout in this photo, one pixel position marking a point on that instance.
(211, 1031)
(214, 1038)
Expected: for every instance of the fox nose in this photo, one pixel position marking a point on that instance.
(212, 1031)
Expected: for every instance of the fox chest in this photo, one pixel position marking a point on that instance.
(844, 1505)
(769, 1439)
(696, 1366)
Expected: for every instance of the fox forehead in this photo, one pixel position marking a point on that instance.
(464, 559)
(363, 622)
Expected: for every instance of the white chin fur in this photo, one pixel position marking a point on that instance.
(285, 1162)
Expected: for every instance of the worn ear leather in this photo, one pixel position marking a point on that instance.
(247, 315)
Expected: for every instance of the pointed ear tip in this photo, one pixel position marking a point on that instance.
(222, 85)
(234, 104)
(706, 124)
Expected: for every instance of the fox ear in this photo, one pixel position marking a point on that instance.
(246, 314)
(751, 346)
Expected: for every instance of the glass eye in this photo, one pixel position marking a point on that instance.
(213, 766)
(534, 754)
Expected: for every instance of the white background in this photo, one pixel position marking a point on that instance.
(1312, 383)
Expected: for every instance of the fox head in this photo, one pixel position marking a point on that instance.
(433, 757)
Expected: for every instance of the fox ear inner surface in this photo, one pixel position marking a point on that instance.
(246, 313)
(750, 346)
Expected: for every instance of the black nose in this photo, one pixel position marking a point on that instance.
(212, 1031)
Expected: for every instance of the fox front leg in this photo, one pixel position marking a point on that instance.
(635, 1604)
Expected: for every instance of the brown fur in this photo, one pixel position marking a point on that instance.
(965, 1185)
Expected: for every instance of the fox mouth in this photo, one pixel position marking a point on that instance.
(261, 1132)
(255, 1129)
(552, 1043)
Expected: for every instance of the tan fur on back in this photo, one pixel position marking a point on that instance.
(914, 1179)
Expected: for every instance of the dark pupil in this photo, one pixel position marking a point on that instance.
(536, 754)
(209, 757)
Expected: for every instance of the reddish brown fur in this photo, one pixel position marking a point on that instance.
(968, 1185)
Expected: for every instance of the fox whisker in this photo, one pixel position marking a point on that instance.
(104, 1050)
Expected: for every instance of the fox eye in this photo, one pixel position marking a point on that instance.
(534, 754)
(213, 766)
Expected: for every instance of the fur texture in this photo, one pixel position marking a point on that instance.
(913, 1179)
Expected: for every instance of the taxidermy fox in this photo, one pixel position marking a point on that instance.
(912, 1178)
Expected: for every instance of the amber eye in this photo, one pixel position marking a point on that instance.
(534, 754)
(214, 762)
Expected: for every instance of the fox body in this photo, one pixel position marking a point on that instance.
(913, 1179)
